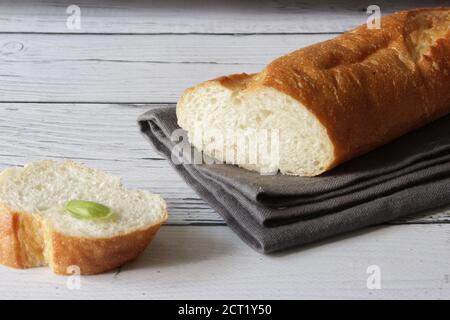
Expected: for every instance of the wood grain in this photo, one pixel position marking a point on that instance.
(195, 16)
(212, 263)
(106, 136)
(149, 51)
(128, 68)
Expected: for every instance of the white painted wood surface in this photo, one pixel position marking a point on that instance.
(195, 16)
(77, 93)
(211, 262)
(107, 136)
(134, 68)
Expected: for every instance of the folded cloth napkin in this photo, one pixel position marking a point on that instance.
(277, 212)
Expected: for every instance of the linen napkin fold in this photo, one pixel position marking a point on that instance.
(277, 212)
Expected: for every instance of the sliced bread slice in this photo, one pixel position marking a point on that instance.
(36, 230)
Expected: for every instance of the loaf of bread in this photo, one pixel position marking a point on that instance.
(331, 101)
(36, 229)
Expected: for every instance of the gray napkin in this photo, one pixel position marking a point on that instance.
(273, 213)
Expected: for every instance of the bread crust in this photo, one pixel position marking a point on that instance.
(9, 243)
(367, 86)
(27, 241)
(93, 256)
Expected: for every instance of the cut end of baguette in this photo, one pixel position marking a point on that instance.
(233, 104)
(41, 232)
(335, 100)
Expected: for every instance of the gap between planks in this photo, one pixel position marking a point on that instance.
(32, 132)
(128, 69)
(195, 16)
(211, 262)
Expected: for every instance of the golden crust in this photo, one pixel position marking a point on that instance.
(26, 241)
(367, 86)
(94, 256)
(10, 253)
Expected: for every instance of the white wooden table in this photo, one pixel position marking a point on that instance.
(127, 55)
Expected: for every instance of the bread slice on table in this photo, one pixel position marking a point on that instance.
(36, 230)
(331, 101)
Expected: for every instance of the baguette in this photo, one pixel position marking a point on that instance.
(35, 230)
(334, 100)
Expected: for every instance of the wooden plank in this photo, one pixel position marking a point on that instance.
(103, 136)
(186, 48)
(212, 263)
(106, 136)
(124, 68)
(195, 16)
